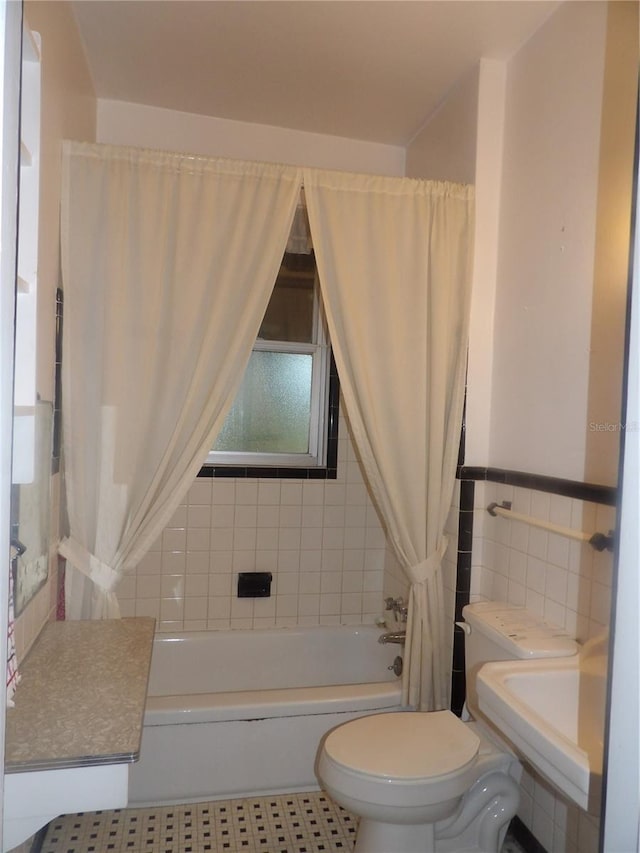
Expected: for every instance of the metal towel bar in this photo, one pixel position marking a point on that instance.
(599, 541)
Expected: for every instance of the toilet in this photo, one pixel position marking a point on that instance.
(427, 781)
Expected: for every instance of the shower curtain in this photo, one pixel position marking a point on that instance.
(168, 265)
(394, 262)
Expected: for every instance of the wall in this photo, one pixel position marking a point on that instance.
(552, 170)
(445, 148)
(562, 581)
(121, 123)
(613, 226)
(475, 108)
(321, 540)
(546, 246)
(68, 111)
(566, 147)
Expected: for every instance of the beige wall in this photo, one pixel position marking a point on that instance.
(68, 111)
(613, 227)
(563, 243)
(541, 357)
(445, 148)
(122, 123)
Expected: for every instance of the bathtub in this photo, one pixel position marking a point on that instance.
(241, 713)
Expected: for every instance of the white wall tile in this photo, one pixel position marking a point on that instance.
(150, 564)
(246, 492)
(147, 586)
(200, 492)
(564, 582)
(198, 516)
(196, 585)
(269, 492)
(174, 539)
(173, 562)
(243, 560)
(223, 492)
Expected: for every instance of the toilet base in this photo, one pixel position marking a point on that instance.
(476, 824)
(376, 837)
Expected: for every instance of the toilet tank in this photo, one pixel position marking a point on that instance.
(495, 630)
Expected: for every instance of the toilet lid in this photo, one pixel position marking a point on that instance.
(404, 745)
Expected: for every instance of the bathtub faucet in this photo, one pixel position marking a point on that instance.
(398, 637)
(399, 608)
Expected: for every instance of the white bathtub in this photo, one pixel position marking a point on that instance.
(241, 713)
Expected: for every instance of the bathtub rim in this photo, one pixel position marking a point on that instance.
(268, 704)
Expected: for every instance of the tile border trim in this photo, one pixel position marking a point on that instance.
(591, 492)
(524, 837)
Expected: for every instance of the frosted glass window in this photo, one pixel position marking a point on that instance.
(280, 417)
(272, 411)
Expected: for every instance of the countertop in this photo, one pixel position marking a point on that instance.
(80, 701)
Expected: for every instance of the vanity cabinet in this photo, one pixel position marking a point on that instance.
(77, 722)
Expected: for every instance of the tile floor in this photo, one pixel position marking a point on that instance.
(286, 823)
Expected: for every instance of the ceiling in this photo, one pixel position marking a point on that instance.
(364, 69)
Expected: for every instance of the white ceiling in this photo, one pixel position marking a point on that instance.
(364, 69)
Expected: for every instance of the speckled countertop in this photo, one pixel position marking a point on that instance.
(81, 698)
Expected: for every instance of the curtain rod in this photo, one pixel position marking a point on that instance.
(599, 541)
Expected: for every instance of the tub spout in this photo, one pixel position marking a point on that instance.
(398, 637)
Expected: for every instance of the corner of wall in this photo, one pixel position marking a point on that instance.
(443, 149)
(488, 169)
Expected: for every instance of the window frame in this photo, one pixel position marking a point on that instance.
(321, 461)
(327, 472)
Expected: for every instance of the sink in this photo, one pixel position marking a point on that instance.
(552, 711)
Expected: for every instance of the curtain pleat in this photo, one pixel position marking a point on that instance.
(394, 260)
(168, 262)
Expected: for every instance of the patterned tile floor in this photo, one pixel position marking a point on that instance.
(287, 823)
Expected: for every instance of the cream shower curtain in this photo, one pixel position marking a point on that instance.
(168, 263)
(394, 260)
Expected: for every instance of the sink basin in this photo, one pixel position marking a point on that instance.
(552, 711)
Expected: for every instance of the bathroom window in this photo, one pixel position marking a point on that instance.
(284, 418)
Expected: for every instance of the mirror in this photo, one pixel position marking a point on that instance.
(30, 512)
(33, 417)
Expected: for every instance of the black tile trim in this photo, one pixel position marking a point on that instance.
(463, 590)
(327, 472)
(525, 837)
(542, 483)
(273, 473)
(57, 393)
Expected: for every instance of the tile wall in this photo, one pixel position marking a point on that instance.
(561, 580)
(321, 539)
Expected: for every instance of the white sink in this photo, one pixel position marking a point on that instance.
(552, 711)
